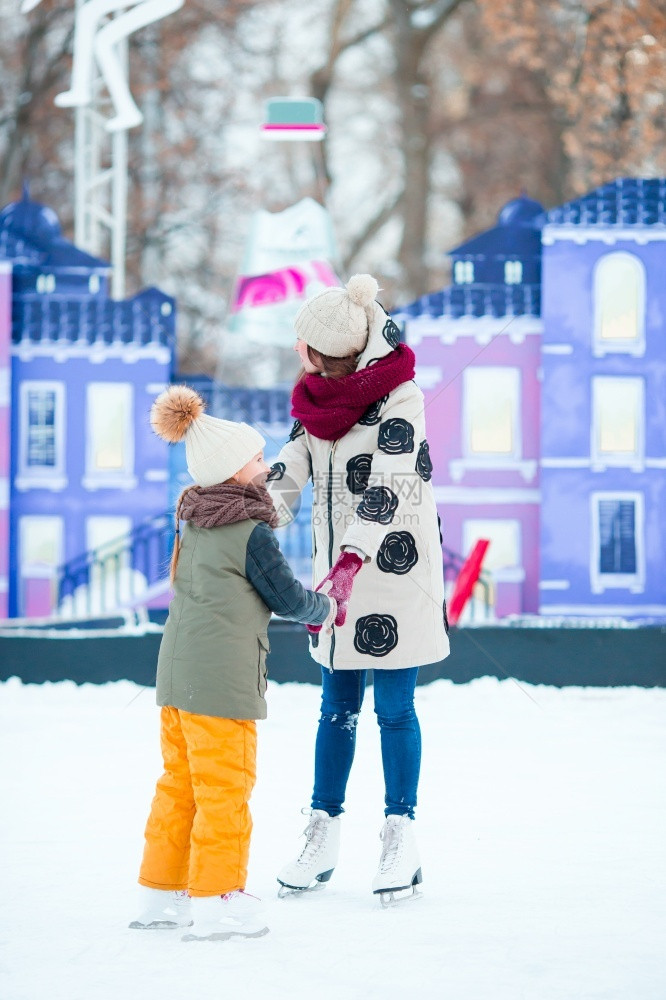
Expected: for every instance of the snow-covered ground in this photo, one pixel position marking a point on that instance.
(542, 826)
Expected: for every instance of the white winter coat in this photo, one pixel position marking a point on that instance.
(372, 490)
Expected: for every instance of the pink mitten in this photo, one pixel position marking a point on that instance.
(341, 581)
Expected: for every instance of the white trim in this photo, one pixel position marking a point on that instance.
(597, 610)
(511, 574)
(156, 475)
(584, 463)
(155, 388)
(557, 348)
(633, 582)
(554, 584)
(42, 476)
(129, 353)
(565, 463)
(634, 347)
(123, 479)
(41, 482)
(599, 461)
(482, 329)
(4, 584)
(5, 385)
(603, 234)
(5, 267)
(459, 466)
(480, 496)
(4, 493)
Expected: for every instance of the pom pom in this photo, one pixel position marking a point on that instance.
(174, 411)
(362, 289)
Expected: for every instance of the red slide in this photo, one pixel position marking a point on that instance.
(467, 577)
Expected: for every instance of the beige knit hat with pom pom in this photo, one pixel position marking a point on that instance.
(214, 449)
(336, 321)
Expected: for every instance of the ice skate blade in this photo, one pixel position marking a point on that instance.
(285, 891)
(225, 935)
(319, 883)
(158, 925)
(398, 897)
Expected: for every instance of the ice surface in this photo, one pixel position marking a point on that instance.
(541, 824)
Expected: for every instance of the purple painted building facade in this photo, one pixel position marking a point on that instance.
(603, 418)
(85, 467)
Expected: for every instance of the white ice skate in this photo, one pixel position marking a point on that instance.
(218, 918)
(314, 865)
(399, 871)
(163, 910)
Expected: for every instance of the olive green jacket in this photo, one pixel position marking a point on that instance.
(229, 579)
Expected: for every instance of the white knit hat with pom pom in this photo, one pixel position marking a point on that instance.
(336, 321)
(214, 448)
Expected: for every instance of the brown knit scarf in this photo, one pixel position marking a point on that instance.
(225, 503)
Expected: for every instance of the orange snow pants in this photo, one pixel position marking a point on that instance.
(198, 831)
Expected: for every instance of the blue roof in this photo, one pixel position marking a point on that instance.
(147, 318)
(30, 234)
(626, 201)
(518, 231)
(476, 300)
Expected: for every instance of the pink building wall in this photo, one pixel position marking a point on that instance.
(502, 491)
(5, 387)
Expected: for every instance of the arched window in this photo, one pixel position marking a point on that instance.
(619, 305)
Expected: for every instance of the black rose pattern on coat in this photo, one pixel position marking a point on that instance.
(396, 436)
(358, 473)
(424, 462)
(446, 618)
(376, 635)
(296, 430)
(379, 503)
(371, 415)
(439, 528)
(391, 333)
(397, 553)
(277, 472)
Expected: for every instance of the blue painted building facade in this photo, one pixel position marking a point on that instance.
(603, 413)
(85, 468)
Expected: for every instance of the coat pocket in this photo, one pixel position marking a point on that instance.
(263, 648)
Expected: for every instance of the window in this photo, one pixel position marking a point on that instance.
(42, 435)
(106, 535)
(40, 553)
(617, 542)
(491, 412)
(110, 432)
(619, 305)
(463, 272)
(513, 272)
(617, 421)
(45, 283)
(504, 536)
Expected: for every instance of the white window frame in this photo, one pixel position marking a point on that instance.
(50, 477)
(503, 574)
(39, 571)
(124, 478)
(510, 461)
(463, 272)
(513, 272)
(634, 347)
(633, 582)
(602, 460)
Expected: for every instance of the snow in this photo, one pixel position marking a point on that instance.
(542, 824)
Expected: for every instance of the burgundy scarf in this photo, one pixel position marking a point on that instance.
(210, 506)
(329, 407)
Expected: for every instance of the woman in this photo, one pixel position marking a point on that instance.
(360, 435)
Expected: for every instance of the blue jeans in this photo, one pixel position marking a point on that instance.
(341, 700)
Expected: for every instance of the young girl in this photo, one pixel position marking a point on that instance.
(360, 433)
(228, 574)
